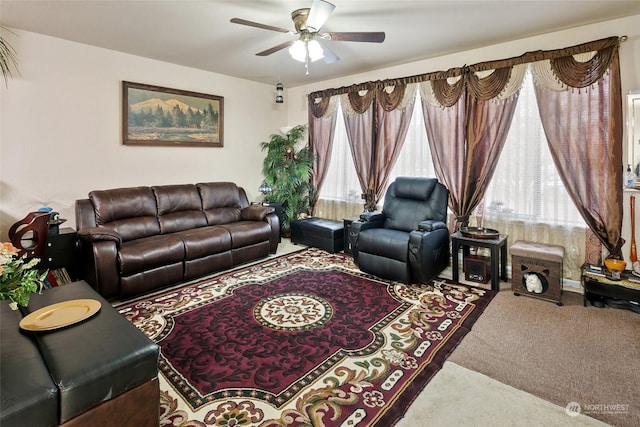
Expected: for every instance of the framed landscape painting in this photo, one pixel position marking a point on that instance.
(159, 116)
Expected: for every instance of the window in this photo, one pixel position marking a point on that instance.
(525, 186)
(341, 182)
(415, 157)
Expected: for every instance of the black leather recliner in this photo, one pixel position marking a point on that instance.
(408, 241)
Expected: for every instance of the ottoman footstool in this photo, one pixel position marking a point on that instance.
(326, 234)
(536, 270)
(102, 371)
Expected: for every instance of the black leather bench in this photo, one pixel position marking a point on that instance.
(102, 371)
(326, 234)
(28, 396)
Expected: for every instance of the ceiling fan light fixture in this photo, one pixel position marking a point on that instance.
(307, 23)
(315, 50)
(298, 51)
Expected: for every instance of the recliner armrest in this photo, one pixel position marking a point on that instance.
(431, 224)
(372, 216)
(97, 234)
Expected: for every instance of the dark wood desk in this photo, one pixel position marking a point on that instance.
(498, 249)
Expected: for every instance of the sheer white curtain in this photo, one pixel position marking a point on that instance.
(526, 197)
(340, 193)
(526, 185)
(415, 158)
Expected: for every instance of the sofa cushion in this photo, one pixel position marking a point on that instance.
(179, 207)
(204, 241)
(149, 252)
(245, 233)
(131, 212)
(28, 395)
(221, 202)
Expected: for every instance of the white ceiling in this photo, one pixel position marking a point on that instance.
(198, 34)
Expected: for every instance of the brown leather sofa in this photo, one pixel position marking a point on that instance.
(140, 239)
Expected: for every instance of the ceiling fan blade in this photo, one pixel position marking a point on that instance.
(275, 48)
(329, 56)
(258, 25)
(319, 13)
(371, 37)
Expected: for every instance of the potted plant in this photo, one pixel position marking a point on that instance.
(287, 170)
(7, 57)
(18, 276)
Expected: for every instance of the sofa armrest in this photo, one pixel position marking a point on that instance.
(99, 254)
(431, 224)
(256, 212)
(98, 234)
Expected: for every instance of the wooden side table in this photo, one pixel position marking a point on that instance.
(61, 251)
(599, 286)
(347, 225)
(498, 248)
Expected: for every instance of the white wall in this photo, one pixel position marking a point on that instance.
(61, 121)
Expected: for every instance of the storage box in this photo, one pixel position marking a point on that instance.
(541, 261)
(326, 234)
(476, 268)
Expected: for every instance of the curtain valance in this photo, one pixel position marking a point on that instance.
(322, 106)
(492, 80)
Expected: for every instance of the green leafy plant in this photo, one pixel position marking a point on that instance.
(18, 277)
(288, 171)
(7, 58)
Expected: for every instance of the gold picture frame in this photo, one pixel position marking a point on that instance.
(160, 116)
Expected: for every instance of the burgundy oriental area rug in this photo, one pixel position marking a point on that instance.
(305, 339)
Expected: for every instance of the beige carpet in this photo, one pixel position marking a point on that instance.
(562, 354)
(457, 396)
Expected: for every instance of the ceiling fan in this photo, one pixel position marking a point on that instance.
(309, 46)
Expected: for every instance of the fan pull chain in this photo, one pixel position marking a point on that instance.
(306, 58)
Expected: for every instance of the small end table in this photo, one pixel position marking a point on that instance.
(598, 286)
(347, 226)
(498, 249)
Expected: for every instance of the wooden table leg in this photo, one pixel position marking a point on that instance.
(495, 268)
(454, 261)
